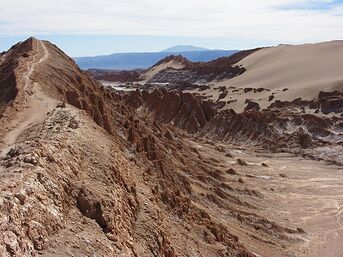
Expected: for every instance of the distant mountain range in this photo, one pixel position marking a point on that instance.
(131, 61)
(184, 48)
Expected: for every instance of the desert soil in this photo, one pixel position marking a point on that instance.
(295, 192)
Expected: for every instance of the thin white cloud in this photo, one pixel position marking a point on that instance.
(244, 19)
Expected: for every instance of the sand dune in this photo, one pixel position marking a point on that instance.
(304, 69)
(154, 70)
(287, 72)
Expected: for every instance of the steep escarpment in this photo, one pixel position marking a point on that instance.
(184, 111)
(8, 85)
(285, 132)
(284, 126)
(330, 102)
(11, 63)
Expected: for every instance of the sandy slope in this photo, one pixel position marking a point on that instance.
(304, 69)
(287, 71)
(154, 70)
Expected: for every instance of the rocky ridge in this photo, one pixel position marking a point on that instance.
(90, 174)
(200, 72)
(115, 76)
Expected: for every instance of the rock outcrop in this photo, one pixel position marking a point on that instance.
(183, 110)
(187, 71)
(115, 76)
(331, 102)
(277, 128)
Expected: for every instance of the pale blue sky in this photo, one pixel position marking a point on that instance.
(312, 5)
(93, 27)
(90, 45)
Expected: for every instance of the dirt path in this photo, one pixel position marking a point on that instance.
(38, 104)
(32, 66)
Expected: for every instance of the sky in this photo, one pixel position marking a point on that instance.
(94, 27)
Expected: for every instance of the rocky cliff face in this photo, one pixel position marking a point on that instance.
(277, 128)
(11, 63)
(331, 102)
(180, 109)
